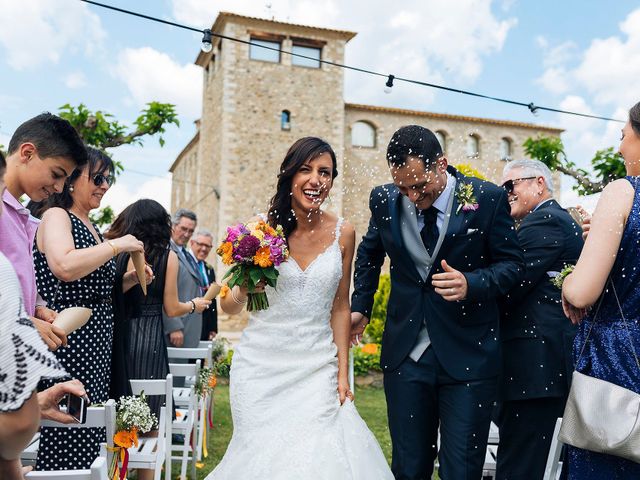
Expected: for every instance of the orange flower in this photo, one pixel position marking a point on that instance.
(262, 257)
(370, 348)
(126, 438)
(213, 381)
(225, 250)
(224, 290)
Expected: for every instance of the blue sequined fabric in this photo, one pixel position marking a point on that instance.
(608, 354)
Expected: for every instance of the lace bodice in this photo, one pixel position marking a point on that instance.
(306, 296)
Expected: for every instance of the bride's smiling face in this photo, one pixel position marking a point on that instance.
(311, 183)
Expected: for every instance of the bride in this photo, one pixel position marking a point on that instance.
(292, 408)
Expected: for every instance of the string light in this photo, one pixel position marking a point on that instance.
(206, 41)
(390, 78)
(389, 85)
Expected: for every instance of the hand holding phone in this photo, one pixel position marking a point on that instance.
(77, 407)
(50, 399)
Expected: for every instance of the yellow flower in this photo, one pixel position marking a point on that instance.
(262, 257)
(370, 348)
(224, 290)
(225, 250)
(259, 234)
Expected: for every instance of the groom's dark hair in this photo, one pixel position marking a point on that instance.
(413, 141)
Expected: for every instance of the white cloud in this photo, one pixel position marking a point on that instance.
(608, 69)
(36, 32)
(152, 75)
(75, 80)
(123, 194)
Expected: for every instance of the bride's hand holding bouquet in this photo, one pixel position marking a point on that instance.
(253, 250)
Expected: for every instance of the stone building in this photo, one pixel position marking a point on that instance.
(257, 102)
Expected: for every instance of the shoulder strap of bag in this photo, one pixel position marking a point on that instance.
(624, 320)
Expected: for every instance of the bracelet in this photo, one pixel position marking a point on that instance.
(193, 306)
(113, 247)
(235, 298)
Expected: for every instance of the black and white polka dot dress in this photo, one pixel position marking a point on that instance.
(87, 356)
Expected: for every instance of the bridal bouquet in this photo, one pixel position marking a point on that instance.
(254, 250)
(133, 415)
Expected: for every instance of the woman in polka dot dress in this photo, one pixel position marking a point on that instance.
(74, 267)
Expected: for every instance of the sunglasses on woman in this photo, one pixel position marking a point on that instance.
(509, 185)
(99, 179)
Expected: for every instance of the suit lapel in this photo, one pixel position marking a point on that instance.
(184, 262)
(398, 217)
(458, 220)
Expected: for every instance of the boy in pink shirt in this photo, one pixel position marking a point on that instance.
(42, 153)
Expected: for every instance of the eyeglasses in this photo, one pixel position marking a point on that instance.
(509, 185)
(203, 245)
(99, 179)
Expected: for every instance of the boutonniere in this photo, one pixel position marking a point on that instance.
(466, 199)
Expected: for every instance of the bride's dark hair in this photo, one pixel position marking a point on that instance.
(303, 150)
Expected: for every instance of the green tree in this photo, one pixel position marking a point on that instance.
(373, 332)
(607, 165)
(100, 130)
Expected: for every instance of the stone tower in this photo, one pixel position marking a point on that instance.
(257, 102)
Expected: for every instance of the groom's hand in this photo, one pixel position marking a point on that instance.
(450, 284)
(358, 324)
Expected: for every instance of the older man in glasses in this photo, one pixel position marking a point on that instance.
(201, 244)
(537, 338)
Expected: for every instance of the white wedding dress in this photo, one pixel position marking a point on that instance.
(287, 419)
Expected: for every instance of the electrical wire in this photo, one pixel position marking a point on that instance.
(533, 108)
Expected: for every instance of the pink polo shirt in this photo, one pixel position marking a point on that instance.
(17, 232)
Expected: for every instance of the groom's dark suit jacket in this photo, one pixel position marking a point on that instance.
(482, 244)
(537, 339)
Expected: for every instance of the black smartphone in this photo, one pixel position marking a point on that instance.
(77, 407)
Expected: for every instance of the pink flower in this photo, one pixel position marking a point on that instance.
(470, 207)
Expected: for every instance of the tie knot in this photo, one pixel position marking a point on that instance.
(430, 214)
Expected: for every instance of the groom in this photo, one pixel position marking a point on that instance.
(453, 251)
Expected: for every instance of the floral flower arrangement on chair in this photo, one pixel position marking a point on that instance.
(254, 250)
(133, 416)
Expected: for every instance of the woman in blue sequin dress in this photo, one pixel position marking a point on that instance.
(612, 250)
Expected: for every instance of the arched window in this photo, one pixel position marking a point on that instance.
(441, 135)
(473, 145)
(363, 134)
(285, 120)
(505, 149)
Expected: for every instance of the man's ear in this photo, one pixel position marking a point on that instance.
(443, 163)
(27, 150)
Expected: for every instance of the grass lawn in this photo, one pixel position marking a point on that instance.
(370, 403)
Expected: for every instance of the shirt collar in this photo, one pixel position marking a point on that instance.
(542, 203)
(443, 199)
(15, 205)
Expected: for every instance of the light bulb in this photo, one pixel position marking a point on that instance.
(206, 46)
(389, 85)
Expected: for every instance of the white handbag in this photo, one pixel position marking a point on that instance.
(601, 416)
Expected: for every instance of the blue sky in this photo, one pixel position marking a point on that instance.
(573, 55)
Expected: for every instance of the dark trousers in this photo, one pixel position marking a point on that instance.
(526, 430)
(420, 397)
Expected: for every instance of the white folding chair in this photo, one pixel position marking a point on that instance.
(203, 352)
(98, 471)
(491, 455)
(554, 465)
(153, 451)
(103, 416)
(185, 423)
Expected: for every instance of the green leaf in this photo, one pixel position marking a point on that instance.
(256, 275)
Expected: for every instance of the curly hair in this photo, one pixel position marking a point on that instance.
(146, 220)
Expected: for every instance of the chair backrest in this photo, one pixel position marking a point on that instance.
(202, 353)
(103, 416)
(552, 469)
(160, 387)
(98, 471)
(185, 369)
